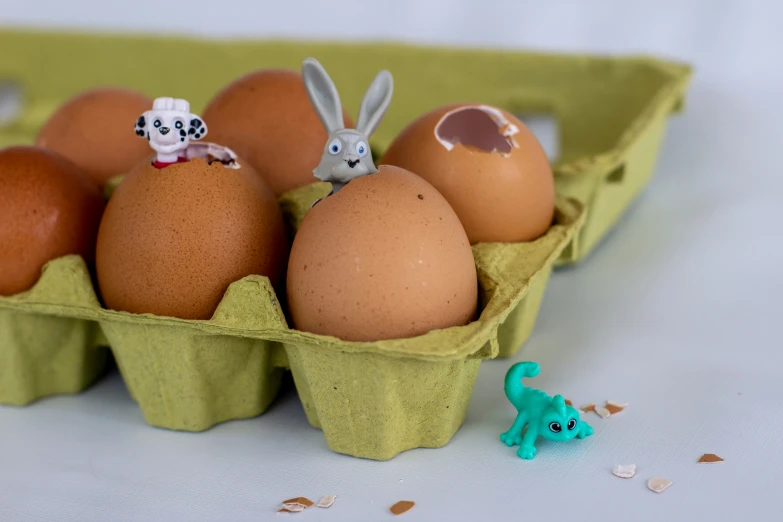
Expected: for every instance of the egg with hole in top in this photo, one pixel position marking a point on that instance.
(173, 239)
(487, 164)
(49, 208)
(95, 131)
(267, 118)
(384, 258)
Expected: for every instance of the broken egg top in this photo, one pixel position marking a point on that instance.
(487, 164)
(480, 128)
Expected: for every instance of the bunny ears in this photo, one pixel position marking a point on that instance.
(326, 101)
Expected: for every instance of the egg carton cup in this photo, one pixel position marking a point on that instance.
(611, 111)
(43, 354)
(371, 399)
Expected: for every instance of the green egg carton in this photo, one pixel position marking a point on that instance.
(51, 353)
(611, 111)
(371, 399)
(190, 375)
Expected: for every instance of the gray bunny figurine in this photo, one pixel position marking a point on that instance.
(347, 152)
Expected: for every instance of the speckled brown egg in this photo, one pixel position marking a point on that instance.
(48, 208)
(95, 131)
(267, 118)
(173, 239)
(488, 165)
(384, 258)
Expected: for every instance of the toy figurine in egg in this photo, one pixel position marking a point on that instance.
(347, 152)
(169, 127)
(544, 416)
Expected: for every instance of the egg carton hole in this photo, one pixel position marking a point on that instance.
(547, 129)
(10, 101)
(617, 175)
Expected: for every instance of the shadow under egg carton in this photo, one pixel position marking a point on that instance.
(371, 399)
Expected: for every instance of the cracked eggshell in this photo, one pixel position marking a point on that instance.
(488, 165)
(48, 208)
(384, 258)
(172, 240)
(267, 118)
(95, 131)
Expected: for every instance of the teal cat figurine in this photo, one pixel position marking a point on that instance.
(544, 416)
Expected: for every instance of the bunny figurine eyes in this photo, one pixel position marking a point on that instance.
(347, 152)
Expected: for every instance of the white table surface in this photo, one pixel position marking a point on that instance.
(677, 313)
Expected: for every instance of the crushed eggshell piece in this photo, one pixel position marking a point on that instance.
(284, 510)
(306, 502)
(327, 501)
(658, 484)
(709, 458)
(401, 507)
(569, 403)
(588, 408)
(625, 471)
(293, 507)
(618, 404)
(612, 409)
(602, 412)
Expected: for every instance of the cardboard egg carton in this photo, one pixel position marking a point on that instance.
(371, 399)
(190, 375)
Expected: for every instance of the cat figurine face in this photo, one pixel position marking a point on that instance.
(559, 422)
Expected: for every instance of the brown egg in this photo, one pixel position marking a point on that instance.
(267, 118)
(172, 240)
(487, 164)
(48, 209)
(384, 258)
(95, 131)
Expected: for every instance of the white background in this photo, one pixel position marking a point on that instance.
(676, 313)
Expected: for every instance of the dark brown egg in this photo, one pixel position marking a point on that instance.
(487, 164)
(48, 208)
(172, 240)
(384, 258)
(95, 131)
(267, 118)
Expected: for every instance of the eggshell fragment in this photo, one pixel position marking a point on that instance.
(403, 506)
(267, 118)
(327, 501)
(709, 458)
(172, 240)
(376, 261)
(602, 412)
(304, 501)
(48, 208)
(95, 131)
(487, 164)
(658, 484)
(625, 471)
